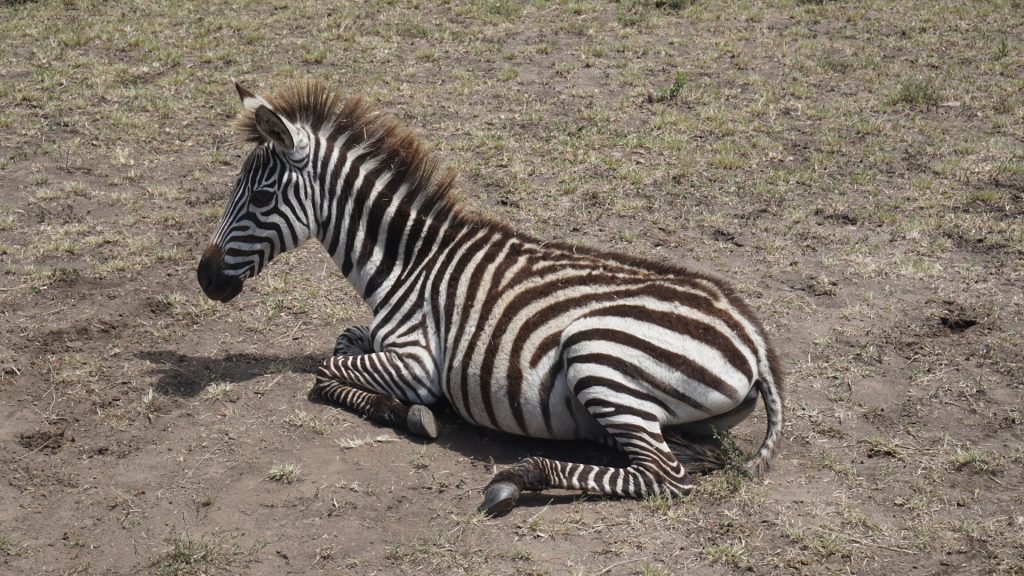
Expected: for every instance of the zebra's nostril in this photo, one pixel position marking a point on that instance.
(210, 274)
(208, 270)
(204, 282)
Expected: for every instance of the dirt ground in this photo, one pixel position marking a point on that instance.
(856, 169)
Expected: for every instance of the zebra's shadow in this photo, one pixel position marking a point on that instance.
(500, 448)
(187, 376)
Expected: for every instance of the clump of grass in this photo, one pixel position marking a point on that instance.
(324, 554)
(283, 473)
(302, 419)
(503, 8)
(194, 557)
(508, 74)
(728, 157)
(733, 458)
(1002, 50)
(315, 55)
(917, 93)
(111, 267)
(660, 502)
(853, 518)
(419, 461)
(830, 462)
(647, 569)
(732, 480)
(835, 63)
(921, 498)
(474, 518)
(981, 461)
(884, 447)
(669, 93)
(731, 554)
(173, 302)
(673, 4)
(218, 391)
(149, 405)
(6, 545)
(722, 485)
(832, 544)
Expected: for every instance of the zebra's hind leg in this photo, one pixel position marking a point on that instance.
(705, 445)
(653, 469)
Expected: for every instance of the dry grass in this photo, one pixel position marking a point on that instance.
(188, 556)
(283, 473)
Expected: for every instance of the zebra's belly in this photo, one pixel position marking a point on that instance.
(544, 407)
(535, 405)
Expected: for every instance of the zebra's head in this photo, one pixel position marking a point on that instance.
(269, 211)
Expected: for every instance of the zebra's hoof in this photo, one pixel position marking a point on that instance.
(499, 498)
(421, 422)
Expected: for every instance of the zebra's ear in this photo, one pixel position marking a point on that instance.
(276, 129)
(250, 101)
(271, 125)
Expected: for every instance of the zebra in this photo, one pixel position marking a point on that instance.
(529, 337)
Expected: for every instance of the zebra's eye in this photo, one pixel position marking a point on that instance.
(262, 198)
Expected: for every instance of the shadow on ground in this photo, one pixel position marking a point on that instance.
(499, 447)
(186, 376)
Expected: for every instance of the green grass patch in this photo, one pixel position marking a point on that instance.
(917, 93)
(671, 92)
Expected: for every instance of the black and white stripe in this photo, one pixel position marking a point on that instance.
(527, 337)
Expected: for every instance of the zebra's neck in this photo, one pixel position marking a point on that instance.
(379, 217)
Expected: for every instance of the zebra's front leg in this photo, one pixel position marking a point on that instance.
(375, 385)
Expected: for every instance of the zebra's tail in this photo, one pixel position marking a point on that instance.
(701, 453)
(770, 387)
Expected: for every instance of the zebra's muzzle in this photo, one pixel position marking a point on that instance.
(215, 283)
